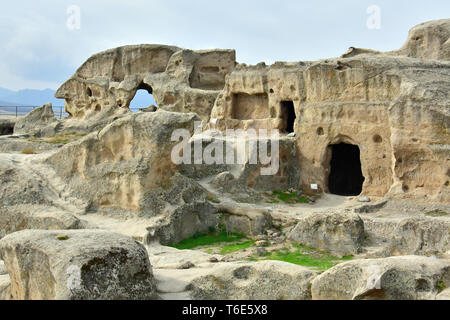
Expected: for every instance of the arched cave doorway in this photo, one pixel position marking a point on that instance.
(345, 177)
(143, 98)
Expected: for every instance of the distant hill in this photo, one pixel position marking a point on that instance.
(28, 97)
(10, 104)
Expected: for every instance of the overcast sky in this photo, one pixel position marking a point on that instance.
(39, 51)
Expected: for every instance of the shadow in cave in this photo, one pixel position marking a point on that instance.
(345, 177)
(288, 115)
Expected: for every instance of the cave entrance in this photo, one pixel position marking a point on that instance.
(288, 115)
(345, 177)
(6, 128)
(143, 98)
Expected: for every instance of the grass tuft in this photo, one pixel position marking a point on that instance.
(236, 247)
(28, 151)
(207, 239)
(320, 262)
(441, 286)
(436, 213)
(210, 197)
(287, 197)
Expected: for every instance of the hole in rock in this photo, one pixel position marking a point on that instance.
(320, 131)
(143, 98)
(377, 138)
(89, 92)
(345, 177)
(288, 115)
(6, 129)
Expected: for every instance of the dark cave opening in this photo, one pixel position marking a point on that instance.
(6, 128)
(288, 115)
(345, 177)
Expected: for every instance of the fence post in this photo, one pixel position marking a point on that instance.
(16, 111)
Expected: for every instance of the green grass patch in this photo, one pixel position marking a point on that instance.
(441, 286)
(287, 197)
(208, 239)
(436, 213)
(306, 256)
(236, 247)
(320, 262)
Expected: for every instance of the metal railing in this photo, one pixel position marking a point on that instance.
(19, 111)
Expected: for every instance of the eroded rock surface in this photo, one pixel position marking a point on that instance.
(5, 287)
(340, 233)
(23, 217)
(265, 280)
(393, 278)
(39, 122)
(420, 236)
(180, 80)
(73, 265)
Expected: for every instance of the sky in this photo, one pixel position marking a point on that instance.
(43, 42)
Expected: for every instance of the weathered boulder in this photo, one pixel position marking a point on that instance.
(3, 269)
(82, 264)
(38, 122)
(28, 202)
(18, 186)
(240, 218)
(5, 287)
(16, 218)
(420, 236)
(19, 144)
(394, 278)
(341, 233)
(264, 280)
(182, 223)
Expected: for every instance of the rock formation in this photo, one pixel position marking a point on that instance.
(340, 233)
(77, 194)
(76, 265)
(180, 80)
(394, 278)
(267, 280)
(371, 100)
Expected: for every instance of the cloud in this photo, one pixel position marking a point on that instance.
(38, 50)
